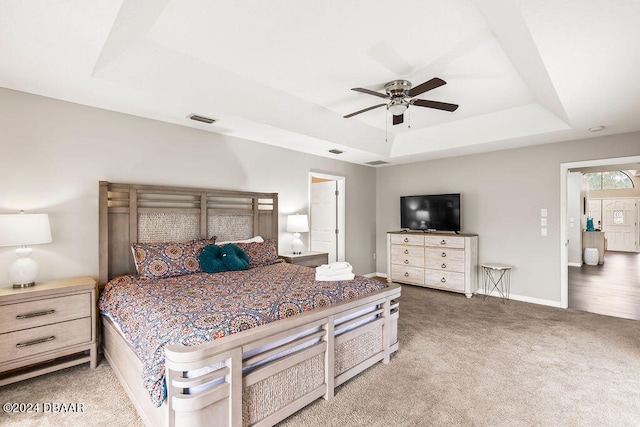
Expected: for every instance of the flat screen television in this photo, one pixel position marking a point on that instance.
(437, 212)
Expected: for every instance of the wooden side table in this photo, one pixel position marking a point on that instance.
(309, 259)
(47, 327)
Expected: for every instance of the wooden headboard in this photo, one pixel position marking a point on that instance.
(132, 213)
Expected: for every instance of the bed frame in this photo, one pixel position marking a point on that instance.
(142, 213)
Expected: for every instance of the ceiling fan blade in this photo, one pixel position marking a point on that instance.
(398, 119)
(426, 86)
(363, 111)
(434, 104)
(370, 92)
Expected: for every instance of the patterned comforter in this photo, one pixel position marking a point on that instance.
(196, 308)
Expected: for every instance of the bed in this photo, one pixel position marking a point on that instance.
(254, 373)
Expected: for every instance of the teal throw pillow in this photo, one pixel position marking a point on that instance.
(234, 258)
(211, 259)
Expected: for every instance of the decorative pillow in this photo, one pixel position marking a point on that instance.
(260, 254)
(211, 259)
(158, 260)
(234, 258)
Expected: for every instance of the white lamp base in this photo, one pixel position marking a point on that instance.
(24, 270)
(296, 244)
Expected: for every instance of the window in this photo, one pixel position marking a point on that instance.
(608, 180)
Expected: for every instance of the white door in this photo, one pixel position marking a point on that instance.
(324, 218)
(619, 224)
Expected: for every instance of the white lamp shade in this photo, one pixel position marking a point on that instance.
(24, 229)
(297, 224)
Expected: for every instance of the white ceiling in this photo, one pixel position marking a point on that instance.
(280, 72)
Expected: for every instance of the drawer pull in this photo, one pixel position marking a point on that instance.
(443, 280)
(443, 242)
(406, 251)
(444, 265)
(406, 261)
(406, 239)
(30, 315)
(406, 274)
(34, 342)
(444, 254)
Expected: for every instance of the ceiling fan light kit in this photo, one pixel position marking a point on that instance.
(398, 93)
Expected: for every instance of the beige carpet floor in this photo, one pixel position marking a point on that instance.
(462, 362)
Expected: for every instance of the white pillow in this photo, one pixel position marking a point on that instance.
(256, 239)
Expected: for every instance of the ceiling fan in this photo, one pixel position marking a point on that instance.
(398, 93)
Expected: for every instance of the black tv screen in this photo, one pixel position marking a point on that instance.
(439, 212)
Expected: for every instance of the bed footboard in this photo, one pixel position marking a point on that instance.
(252, 383)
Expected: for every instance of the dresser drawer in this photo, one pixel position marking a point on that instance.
(444, 254)
(24, 315)
(404, 274)
(445, 241)
(445, 279)
(407, 255)
(445, 265)
(31, 342)
(407, 239)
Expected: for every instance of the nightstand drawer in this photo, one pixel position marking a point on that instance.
(24, 315)
(31, 342)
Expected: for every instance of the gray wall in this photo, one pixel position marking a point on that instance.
(54, 153)
(502, 194)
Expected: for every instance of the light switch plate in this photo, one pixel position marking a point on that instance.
(543, 232)
(543, 212)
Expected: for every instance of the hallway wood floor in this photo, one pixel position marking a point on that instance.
(612, 289)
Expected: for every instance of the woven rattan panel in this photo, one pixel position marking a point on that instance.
(352, 352)
(168, 226)
(271, 394)
(230, 226)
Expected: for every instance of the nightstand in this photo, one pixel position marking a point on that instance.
(309, 259)
(47, 327)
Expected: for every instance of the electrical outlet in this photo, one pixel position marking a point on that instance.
(374, 255)
(543, 232)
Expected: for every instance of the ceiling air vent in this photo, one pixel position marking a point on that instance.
(377, 163)
(334, 151)
(202, 119)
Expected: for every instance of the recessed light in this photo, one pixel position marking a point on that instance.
(596, 129)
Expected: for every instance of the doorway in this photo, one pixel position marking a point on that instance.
(327, 215)
(565, 169)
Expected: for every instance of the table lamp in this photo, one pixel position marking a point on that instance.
(297, 224)
(22, 230)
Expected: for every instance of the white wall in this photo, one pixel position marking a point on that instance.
(54, 153)
(502, 194)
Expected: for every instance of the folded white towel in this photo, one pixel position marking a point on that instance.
(328, 272)
(348, 276)
(335, 265)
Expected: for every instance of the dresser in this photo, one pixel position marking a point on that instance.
(435, 260)
(47, 327)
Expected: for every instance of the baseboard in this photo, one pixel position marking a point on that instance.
(531, 300)
(375, 275)
(574, 264)
(514, 297)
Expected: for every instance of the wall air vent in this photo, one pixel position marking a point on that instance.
(377, 163)
(202, 119)
(334, 151)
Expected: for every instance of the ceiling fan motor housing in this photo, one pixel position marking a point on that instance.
(397, 91)
(397, 88)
